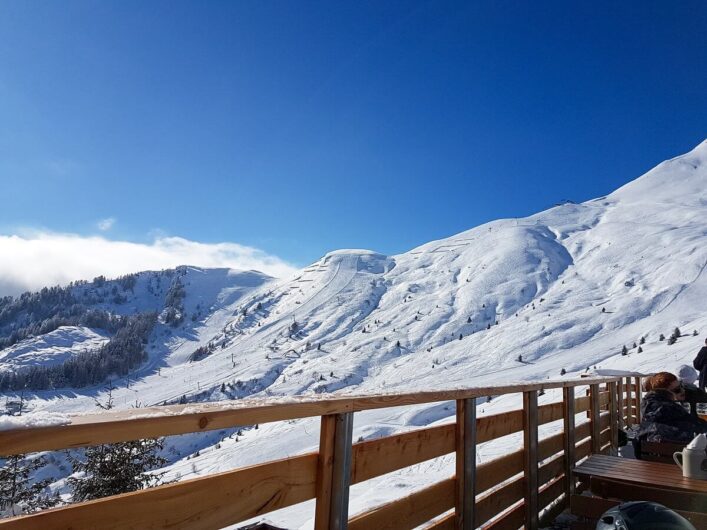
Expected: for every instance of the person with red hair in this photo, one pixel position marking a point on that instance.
(663, 419)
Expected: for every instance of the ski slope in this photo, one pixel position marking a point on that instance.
(511, 300)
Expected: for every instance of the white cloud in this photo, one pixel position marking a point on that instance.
(105, 224)
(38, 259)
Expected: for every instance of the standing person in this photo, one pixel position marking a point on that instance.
(700, 364)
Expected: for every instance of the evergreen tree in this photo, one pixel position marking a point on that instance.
(18, 493)
(563, 371)
(112, 469)
(661, 338)
(640, 350)
(624, 350)
(642, 341)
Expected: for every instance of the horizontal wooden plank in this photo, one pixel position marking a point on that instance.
(581, 404)
(488, 506)
(583, 449)
(443, 523)
(120, 426)
(582, 430)
(204, 503)
(550, 513)
(384, 455)
(152, 422)
(395, 400)
(373, 458)
(551, 491)
(550, 412)
(410, 511)
(551, 469)
(604, 398)
(550, 445)
(493, 472)
(494, 503)
(512, 519)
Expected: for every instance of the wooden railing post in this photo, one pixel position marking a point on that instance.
(569, 441)
(620, 400)
(334, 472)
(614, 418)
(465, 440)
(594, 417)
(530, 458)
(629, 404)
(638, 399)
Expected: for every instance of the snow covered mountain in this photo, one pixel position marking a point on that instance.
(555, 293)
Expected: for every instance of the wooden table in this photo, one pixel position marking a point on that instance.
(611, 477)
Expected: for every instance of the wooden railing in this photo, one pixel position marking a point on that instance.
(518, 489)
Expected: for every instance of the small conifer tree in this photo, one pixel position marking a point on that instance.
(111, 469)
(18, 492)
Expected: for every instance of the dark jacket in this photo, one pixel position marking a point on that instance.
(693, 396)
(700, 364)
(665, 420)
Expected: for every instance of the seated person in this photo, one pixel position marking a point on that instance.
(663, 419)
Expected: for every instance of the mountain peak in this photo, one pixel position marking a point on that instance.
(679, 180)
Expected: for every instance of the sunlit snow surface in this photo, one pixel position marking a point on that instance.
(52, 348)
(565, 288)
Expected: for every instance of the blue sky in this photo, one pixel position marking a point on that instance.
(302, 127)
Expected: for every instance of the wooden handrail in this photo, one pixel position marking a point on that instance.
(152, 422)
(228, 498)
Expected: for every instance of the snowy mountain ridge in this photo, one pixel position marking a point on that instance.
(550, 295)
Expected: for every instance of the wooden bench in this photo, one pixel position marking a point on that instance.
(616, 480)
